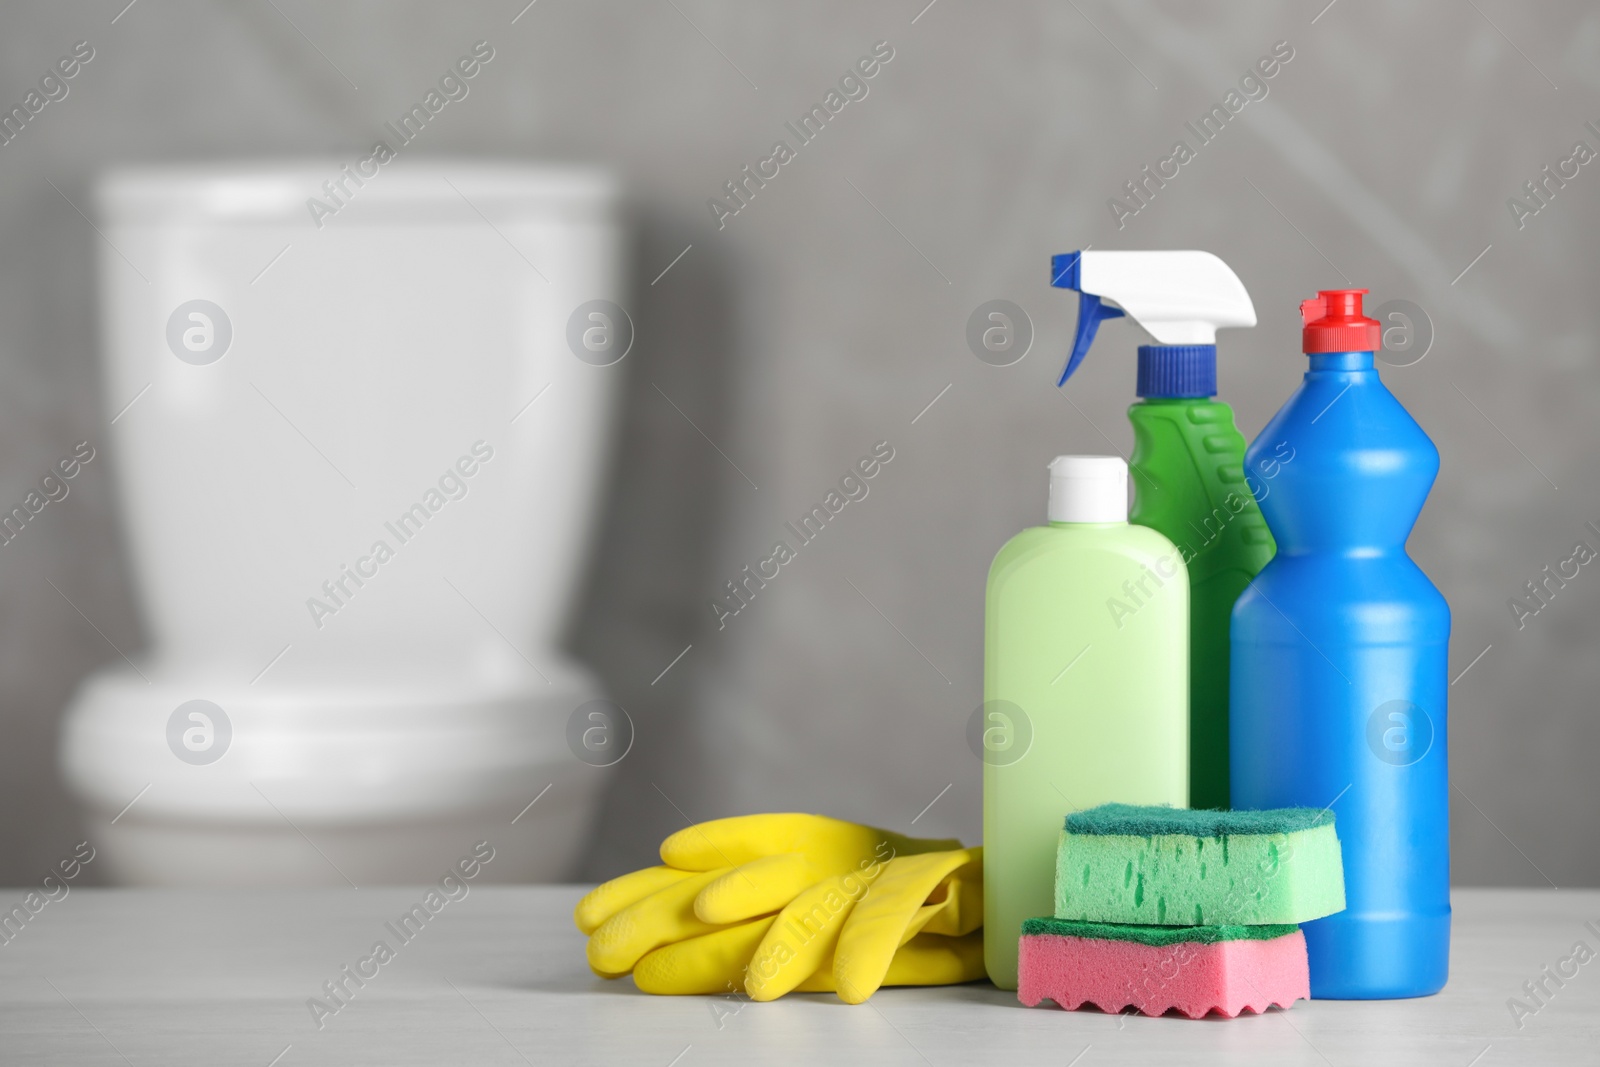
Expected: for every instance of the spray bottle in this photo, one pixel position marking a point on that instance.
(1189, 480)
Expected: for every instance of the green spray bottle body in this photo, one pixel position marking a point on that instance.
(1189, 484)
(1085, 688)
(1188, 460)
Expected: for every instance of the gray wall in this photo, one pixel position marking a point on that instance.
(826, 315)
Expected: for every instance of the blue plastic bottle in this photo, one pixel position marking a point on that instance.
(1339, 661)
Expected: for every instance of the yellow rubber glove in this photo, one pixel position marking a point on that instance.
(693, 925)
(711, 963)
(933, 937)
(851, 927)
(929, 895)
(775, 856)
(605, 900)
(762, 862)
(661, 918)
(927, 959)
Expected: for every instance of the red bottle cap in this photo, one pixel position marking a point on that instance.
(1334, 323)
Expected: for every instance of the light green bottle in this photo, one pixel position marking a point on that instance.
(1085, 687)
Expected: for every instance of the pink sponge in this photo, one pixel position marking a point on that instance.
(1195, 969)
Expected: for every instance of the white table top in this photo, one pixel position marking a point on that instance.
(178, 977)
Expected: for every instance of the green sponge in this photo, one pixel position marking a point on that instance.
(1155, 935)
(1157, 866)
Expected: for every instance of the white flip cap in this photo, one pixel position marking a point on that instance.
(1088, 489)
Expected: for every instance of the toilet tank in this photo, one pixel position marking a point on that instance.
(360, 421)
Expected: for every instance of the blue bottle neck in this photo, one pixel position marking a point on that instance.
(1340, 361)
(1343, 469)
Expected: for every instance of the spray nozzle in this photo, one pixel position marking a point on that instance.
(1064, 271)
(1180, 299)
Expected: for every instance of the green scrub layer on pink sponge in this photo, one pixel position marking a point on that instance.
(1158, 866)
(1154, 935)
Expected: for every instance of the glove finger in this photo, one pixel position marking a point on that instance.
(954, 907)
(803, 936)
(931, 959)
(665, 916)
(759, 887)
(711, 963)
(608, 898)
(830, 842)
(738, 840)
(927, 959)
(871, 937)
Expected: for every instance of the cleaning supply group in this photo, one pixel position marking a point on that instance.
(1214, 724)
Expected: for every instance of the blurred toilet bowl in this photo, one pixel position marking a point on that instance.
(322, 787)
(359, 448)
